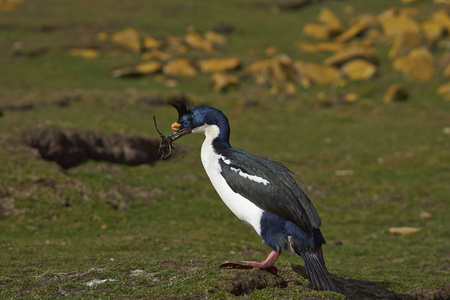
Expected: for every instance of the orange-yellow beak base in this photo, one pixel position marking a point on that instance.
(176, 126)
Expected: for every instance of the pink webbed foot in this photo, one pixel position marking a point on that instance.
(267, 264)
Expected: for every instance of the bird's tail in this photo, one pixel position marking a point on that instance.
(317, 272)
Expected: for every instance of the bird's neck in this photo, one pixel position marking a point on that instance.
(217, 136)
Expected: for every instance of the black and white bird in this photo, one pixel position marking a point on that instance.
(260, 192)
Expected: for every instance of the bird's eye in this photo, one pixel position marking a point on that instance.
(186, 123)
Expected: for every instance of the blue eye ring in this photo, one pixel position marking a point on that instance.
(186, 123)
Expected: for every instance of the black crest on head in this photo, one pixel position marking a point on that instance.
(181, 103)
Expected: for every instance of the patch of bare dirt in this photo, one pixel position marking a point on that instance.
(240, 282)
(70, 147)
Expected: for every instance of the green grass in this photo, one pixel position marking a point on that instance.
(65, 231)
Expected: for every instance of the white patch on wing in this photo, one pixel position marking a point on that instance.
(227, 161)
(244, 209)
(251, 177)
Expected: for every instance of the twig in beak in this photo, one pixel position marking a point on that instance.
(165, 146)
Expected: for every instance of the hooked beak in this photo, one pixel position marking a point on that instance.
(178, 131)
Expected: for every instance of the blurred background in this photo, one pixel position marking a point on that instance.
(353, 96)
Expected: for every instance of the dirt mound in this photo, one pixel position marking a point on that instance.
(70, 147)
(240, 282)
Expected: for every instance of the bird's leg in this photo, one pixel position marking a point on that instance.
(266, 264)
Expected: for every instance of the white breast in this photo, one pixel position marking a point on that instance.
(244, 209)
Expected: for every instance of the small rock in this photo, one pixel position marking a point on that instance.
(180, 67)
(403, 230)
(398, 25)
(359, 69)
(220, 64)
(387, 14)
(98, 281)
(88, 53)
(404, 42)
(143, 68)
(353, 31)
(432, 30)
(320, 74)
(197, 41)
(417, 65)
(151, 43)
(176, 44)
(128, 38)
(149, 67)
(215, 38)
(348, 53)
(444, 90)
(155, 54)
(222, 80)
(344, 172)
(442, 17)
(312, 47)
(331, 20)
(425, 215)
(351, 97)
(271, 51)
(317, 31)
(276, 72)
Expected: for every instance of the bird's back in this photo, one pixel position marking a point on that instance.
(269, 185)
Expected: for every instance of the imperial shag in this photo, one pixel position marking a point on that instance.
(260, 192)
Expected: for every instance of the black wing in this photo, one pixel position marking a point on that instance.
(270, 186)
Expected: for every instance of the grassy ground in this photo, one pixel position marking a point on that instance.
(61, 230)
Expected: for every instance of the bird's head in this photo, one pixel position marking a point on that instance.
(198, 120)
